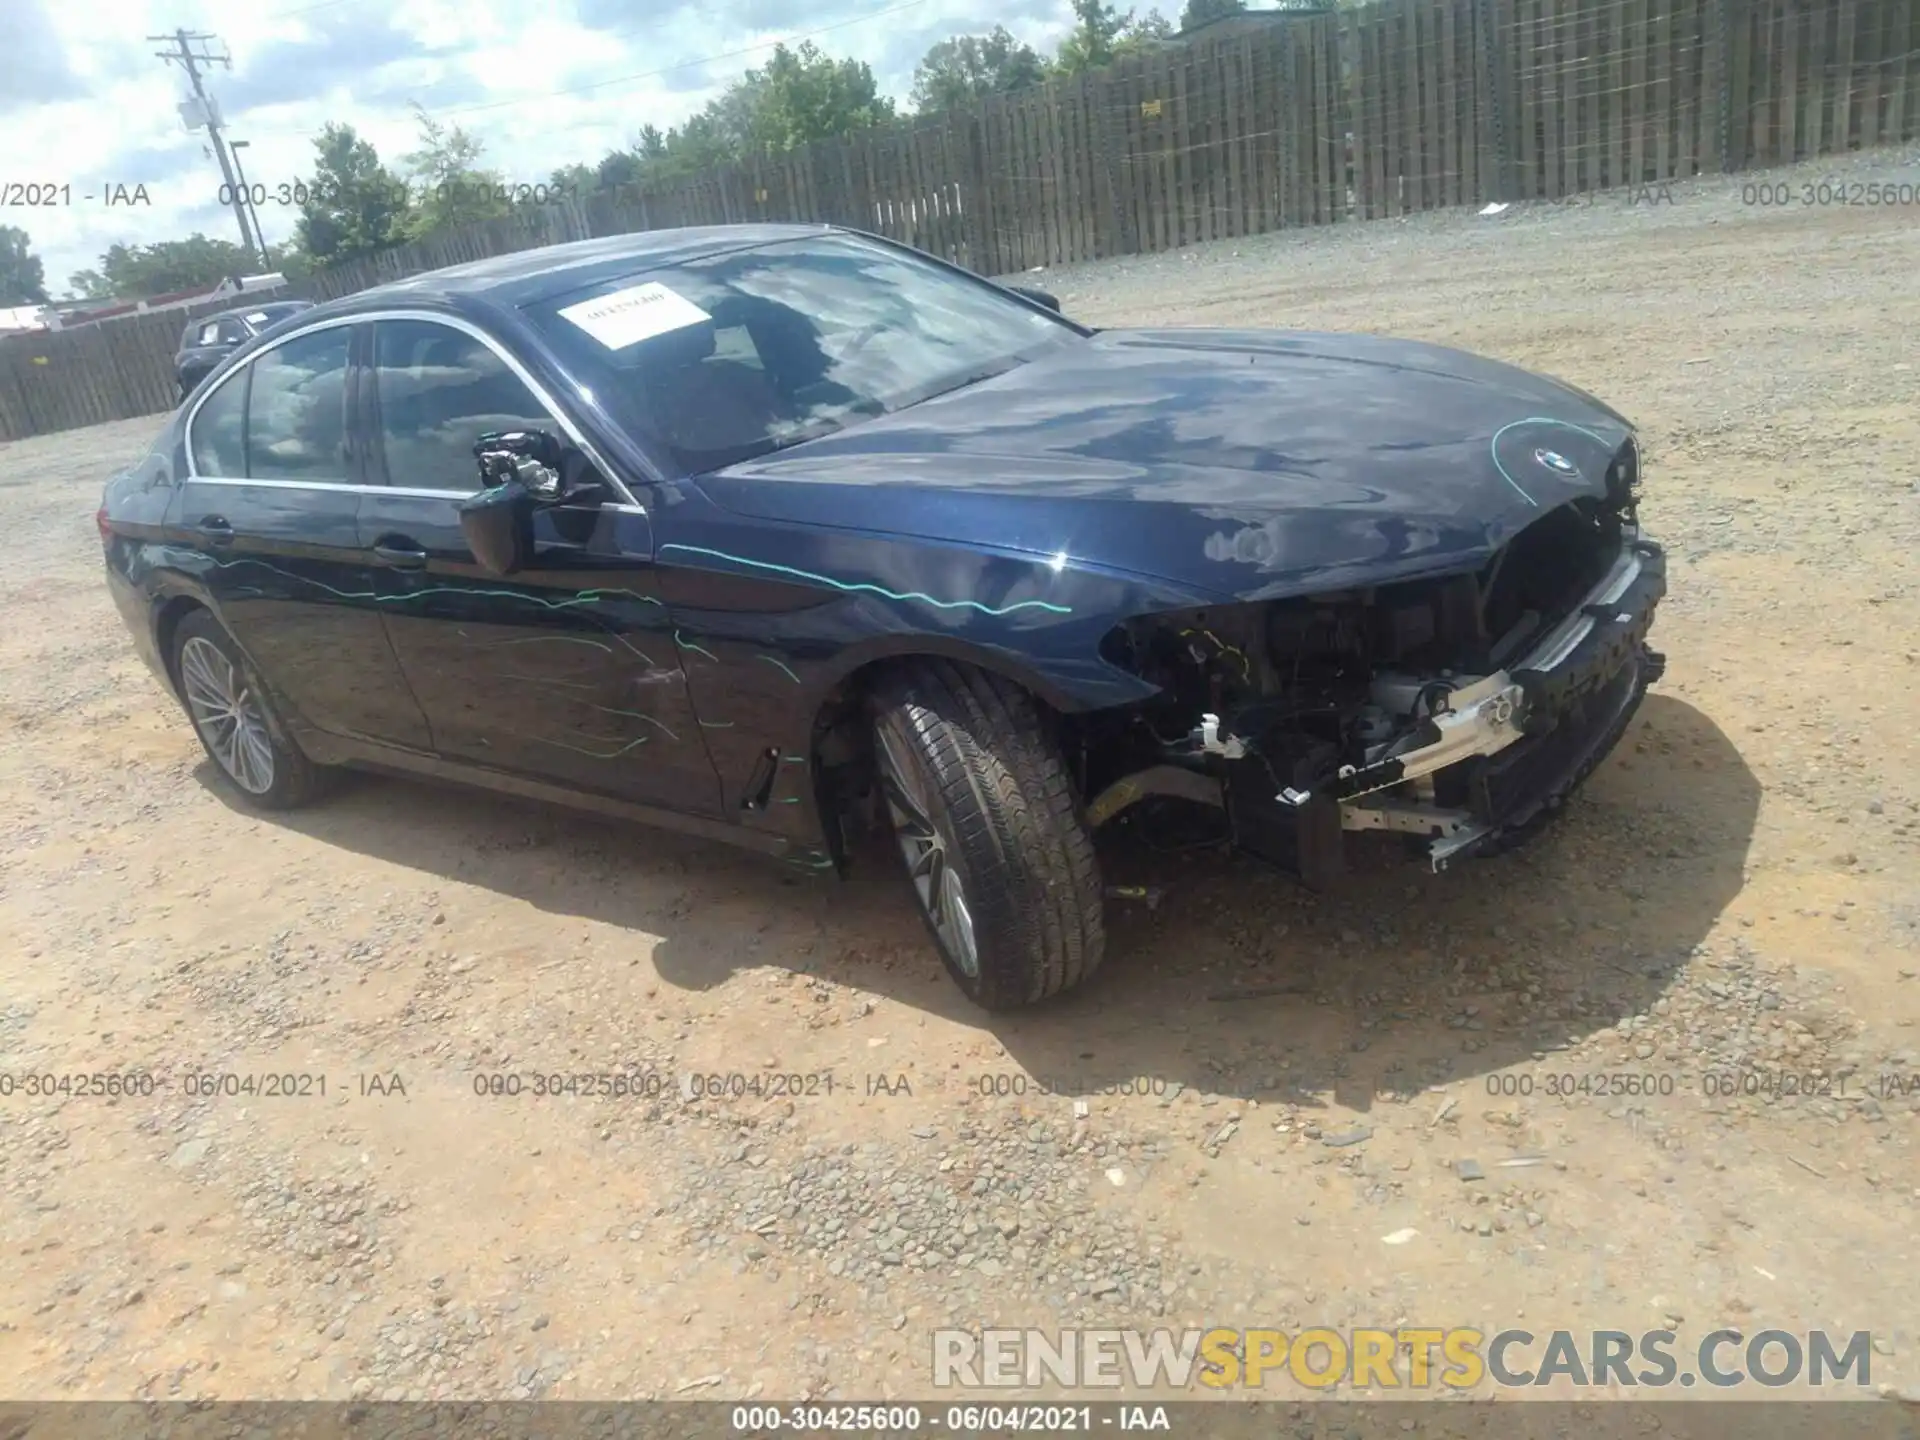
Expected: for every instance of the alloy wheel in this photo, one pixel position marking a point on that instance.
(926, 847)
(227, 714)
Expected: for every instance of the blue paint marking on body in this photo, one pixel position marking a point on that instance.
(1493, 447)
(564, 639)
(689, 645)
(582, 597)
(862, 587)
(659, 725)
(590, 754)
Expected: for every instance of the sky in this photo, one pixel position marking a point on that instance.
(86, 103)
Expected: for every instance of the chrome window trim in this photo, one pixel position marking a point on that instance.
(342, 485)
(627, 499)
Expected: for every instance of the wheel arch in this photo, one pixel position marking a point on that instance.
(169, 611)
(839, 756)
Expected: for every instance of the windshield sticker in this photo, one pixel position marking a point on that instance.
(626, 317)
(256, 317)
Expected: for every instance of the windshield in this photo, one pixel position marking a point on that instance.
(735, 355)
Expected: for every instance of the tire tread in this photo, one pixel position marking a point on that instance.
(1029, 860)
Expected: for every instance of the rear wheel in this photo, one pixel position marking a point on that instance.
(1000, 859)
(245, 738)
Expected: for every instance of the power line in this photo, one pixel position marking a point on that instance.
(191, 60)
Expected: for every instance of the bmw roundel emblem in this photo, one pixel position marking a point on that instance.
(1556, 462)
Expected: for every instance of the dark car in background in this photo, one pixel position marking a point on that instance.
(210, 339)
(779, 534)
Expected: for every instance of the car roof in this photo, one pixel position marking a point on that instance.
(270, 306)
(528, 277)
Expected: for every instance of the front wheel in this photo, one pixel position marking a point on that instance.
(245, 738)
(1000, 859)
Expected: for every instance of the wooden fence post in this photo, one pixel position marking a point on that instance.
(1117, 218)
(1736, 90)
(1496, 91)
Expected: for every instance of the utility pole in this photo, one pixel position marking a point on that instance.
(234, 147)
(191, 61)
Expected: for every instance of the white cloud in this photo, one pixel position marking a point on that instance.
(90, 105)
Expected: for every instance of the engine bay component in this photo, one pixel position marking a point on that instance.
(1450, 710)
(1159, 780)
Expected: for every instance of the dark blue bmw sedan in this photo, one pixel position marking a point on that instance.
(780, 534)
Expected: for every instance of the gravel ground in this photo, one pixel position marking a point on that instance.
(1259, 1090)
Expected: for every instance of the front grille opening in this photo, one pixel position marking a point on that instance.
(1539, 576)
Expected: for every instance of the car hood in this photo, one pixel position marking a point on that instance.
(1250, 464)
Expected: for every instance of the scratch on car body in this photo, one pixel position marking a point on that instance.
(581, 597)
(659, 725)
(689, 645)
(862, 587)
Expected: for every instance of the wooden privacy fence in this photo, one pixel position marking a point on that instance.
(115, 370)
(1390, 108)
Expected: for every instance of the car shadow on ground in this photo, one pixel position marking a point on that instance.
(1237, 982)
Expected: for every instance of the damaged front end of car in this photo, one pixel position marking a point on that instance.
(1457, 710)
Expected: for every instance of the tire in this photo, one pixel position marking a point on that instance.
(992, 837)
(265, 769)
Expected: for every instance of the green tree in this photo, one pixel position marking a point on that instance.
(805, 95)
(23, 280)
(450, 187)
(574, 179)
(137, 272)
(1201, 12)
(1101, 34)
(802, 95)
(1150, 29)
(1097, 27)
(291, 260)
(965, 68)
(356, 205)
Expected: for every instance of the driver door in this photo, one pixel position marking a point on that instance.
(567, 671)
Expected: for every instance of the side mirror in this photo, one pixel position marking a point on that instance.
(1038, 297)
(520, 470)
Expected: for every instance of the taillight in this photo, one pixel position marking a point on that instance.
(105, 525)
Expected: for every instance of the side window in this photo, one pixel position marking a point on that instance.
(439, 390)
(296, 411)
(209, 334)
(232, 332)
(218, 441)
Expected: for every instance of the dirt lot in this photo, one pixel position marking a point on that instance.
(1737, 892)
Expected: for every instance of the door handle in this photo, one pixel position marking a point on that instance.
(400, 553)
(216, 530)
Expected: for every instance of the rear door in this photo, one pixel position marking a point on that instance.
(270, 506)
(565, 672)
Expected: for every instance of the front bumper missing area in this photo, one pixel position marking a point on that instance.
(1512, 745)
